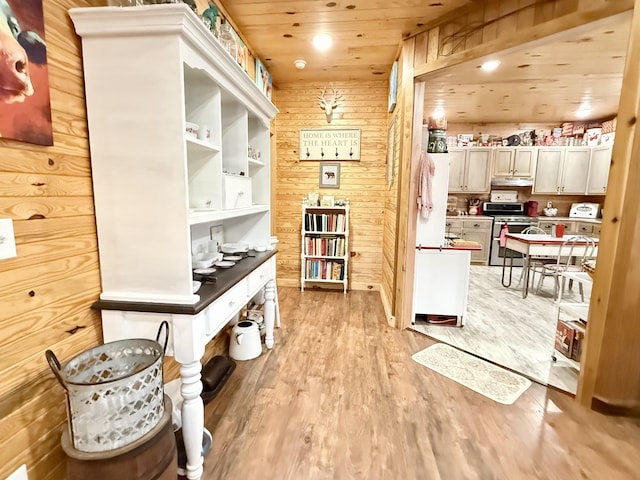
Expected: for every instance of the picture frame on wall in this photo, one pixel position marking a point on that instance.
(393, 86)
(329, 175)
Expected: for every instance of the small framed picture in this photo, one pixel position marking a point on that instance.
(327, 201)
(329, 175)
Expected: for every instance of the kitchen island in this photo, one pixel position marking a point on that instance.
(441, 282)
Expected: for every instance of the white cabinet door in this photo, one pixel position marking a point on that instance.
(477, 179)
(599, 170)
(549, 170)
(503, 161)
(457, 157)
(576, 170)
(524, 162)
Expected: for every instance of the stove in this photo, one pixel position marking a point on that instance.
(511, 213)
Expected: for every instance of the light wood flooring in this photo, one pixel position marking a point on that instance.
(504, 328)
(339, 397)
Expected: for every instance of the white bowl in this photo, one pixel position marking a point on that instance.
(234, 247)
(196, 285)
(192, 129)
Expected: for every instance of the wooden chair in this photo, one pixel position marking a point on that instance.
(567, 261)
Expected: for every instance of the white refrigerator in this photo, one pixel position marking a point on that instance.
(441, 274)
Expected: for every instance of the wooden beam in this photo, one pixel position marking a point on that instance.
(610, 373)
(404, 240)
(527, 35)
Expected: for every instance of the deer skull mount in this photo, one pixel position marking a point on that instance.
(329, 105)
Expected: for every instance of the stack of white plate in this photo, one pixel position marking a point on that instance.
(236, 247)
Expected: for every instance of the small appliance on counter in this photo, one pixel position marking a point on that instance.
(584, 210)
(531, 207)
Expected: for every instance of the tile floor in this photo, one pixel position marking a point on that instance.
(511, 331)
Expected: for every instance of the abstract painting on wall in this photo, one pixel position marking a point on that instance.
(25, 108)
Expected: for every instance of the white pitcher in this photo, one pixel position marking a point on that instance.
(245, 341)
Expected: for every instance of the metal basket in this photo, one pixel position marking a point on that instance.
(114, 392)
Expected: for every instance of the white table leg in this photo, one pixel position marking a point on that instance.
(269, 312)
(192, 417)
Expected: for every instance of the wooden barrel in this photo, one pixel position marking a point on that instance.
(151, 457)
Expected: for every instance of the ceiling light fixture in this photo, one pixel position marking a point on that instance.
(583, 111)
(322, 41)
(490, 66)
(438, 112)
(300, 64)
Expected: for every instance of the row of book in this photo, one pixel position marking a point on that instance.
(324, 222)
(325, 246)
(324, 270)
(570, 337)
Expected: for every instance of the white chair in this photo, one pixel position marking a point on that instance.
(567, 261)
(535, 262)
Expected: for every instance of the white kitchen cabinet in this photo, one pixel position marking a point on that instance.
(157, 190)
(441, 284)
(469, 170)
(599, 170)
(562, 170)
(475, 230)
(514, 161)
(576, 170)
(160, 193)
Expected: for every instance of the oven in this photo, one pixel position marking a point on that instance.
(511, 213)
(515, 225)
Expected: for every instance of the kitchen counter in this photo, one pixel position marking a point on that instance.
(466, 246)
(470, 217)
(544, 218)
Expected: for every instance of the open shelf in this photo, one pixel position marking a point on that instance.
(197, 145)
(197, 216)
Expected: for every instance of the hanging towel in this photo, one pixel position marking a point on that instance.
(425, 185)
(503, 234)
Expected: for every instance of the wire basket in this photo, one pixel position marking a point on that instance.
(114, 392)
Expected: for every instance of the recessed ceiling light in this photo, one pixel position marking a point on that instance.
(490, 66)
(583, 111)
(438, 112)
(322, 41)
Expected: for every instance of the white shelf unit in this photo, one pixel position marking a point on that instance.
(576, 310)
(158, 192)
(325, 245)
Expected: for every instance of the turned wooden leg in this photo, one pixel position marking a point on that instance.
(192, 417)
(269, 312)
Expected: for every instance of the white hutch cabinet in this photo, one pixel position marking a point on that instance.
(159, 193)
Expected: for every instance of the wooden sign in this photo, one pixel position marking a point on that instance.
(330, 144)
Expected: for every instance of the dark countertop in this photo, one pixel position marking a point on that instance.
(226, 278)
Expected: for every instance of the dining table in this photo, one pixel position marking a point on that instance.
(540, 245)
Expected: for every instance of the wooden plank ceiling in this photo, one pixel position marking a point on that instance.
(545, 82)
(366, 34)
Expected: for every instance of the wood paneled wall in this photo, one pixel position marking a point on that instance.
(47, 290)
(363, 106)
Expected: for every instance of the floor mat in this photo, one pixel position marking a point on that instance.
(482, 377)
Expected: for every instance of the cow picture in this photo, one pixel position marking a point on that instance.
(329, 175)
(25, 111)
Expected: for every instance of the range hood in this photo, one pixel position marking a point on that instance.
(512, 182)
